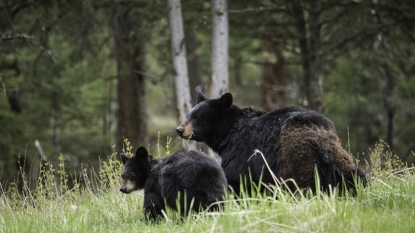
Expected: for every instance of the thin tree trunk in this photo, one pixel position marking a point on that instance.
(129, 54)
(387, 99)
(178, 54)
(193, 65)
(297, 12)
(56, 111)
(309, 50)
(112, 111)
(316, 79)
(218, 82)
(55, 126)
(274, 82)
(389, 129)
(237, 70)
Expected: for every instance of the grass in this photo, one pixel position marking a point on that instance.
(387, 205)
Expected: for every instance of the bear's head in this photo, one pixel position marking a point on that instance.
(201, 121)
(136, 170)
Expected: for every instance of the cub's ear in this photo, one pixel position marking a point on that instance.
(226, 100)
(141, 153)
(124, 158)
(201, 97)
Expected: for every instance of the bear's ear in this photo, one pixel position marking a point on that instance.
(141, 153)
(201, 97)
(124, 158)
(226, 100)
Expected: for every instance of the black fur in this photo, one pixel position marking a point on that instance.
(189, 173)
(293, 140)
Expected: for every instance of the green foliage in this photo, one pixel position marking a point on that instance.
(63, 177)
(168, 145)
(111, 169)
(383, 162)
(47, 189)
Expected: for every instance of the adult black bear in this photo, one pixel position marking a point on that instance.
(181, 177)
(294, 142)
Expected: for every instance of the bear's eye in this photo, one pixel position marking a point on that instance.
(194, 117)
(130, 176)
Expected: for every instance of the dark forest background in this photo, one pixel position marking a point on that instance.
(77, 76)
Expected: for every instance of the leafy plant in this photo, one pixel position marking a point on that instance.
(384, 162)
(111, 169)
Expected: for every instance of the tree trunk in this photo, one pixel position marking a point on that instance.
(387, 99)
(274, 82)
(237, 71)
(219, 75)
(315, 95)
(129, 54)
(178, 54)
(297, 12)
(309, 50)
(193, 65)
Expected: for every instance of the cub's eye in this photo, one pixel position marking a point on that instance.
(194, 117)
(130, 177)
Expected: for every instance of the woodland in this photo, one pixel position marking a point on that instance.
(77, 77)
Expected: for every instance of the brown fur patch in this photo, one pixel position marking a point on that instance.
(300, 146)
(188, 129)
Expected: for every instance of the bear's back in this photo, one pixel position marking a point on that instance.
(195, 173)
(261, 131)
(256, 129)
(305, 117)
(190, 167)
(274, 122)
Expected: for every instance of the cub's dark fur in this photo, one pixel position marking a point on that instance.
(190, 173)
(294, 142)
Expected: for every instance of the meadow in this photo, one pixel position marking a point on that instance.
(96, 205)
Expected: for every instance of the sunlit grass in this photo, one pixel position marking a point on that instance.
(385, 206)
(96, 205)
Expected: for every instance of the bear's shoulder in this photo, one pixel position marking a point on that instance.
(301, 116)
(252, 112)
(255, 112)
(288, 111)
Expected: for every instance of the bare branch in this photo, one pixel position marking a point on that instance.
(9, 37)
(22, 6)
(262, 63)
(258, 9)
(359, 36)
(3, 85)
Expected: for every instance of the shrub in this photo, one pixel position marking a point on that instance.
(384, 162)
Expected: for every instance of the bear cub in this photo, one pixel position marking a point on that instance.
(183, 177)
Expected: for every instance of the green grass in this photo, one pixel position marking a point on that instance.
(387, 205)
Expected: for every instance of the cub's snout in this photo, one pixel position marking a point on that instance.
(123, 190)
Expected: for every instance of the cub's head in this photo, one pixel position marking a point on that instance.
(202, 120)
(136, 170)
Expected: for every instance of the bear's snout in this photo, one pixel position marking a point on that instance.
(123, 190)
(185, 129)
(180, 130)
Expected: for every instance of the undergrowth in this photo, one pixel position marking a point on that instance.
(93, 203)
(384, 162)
